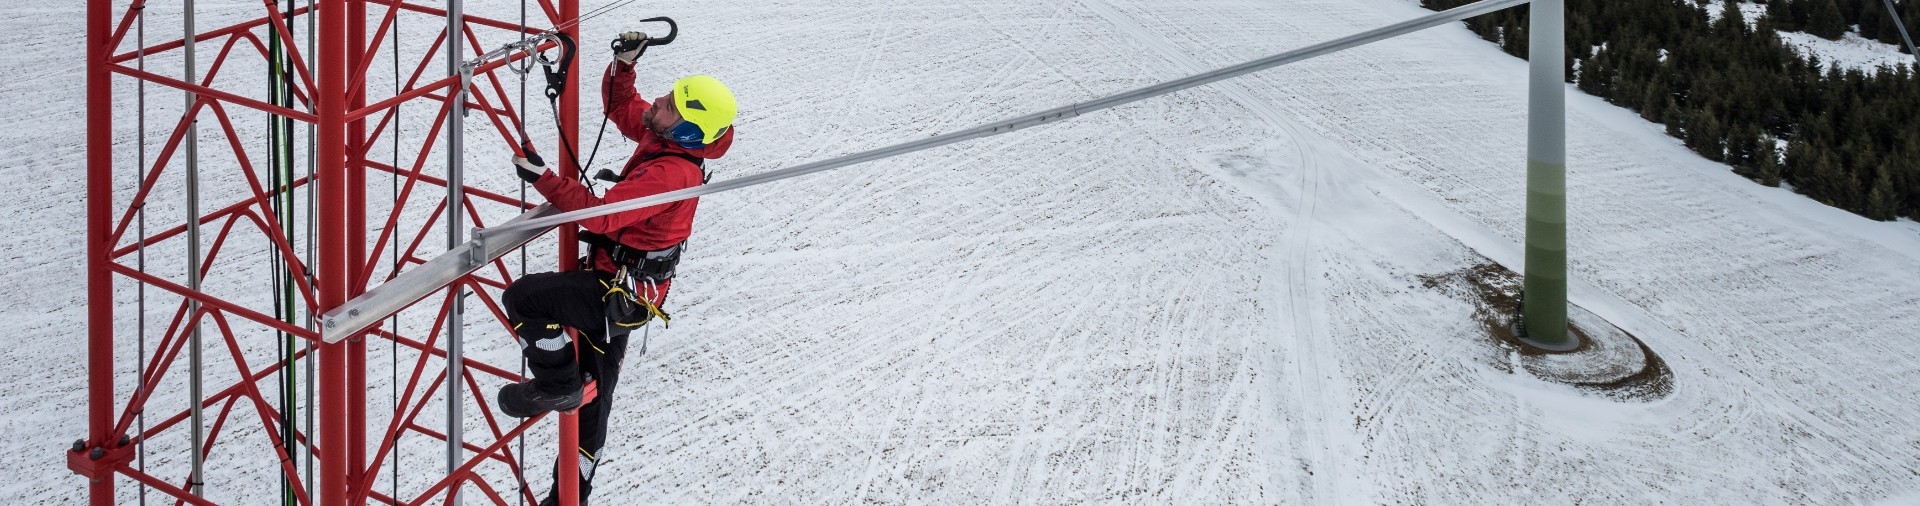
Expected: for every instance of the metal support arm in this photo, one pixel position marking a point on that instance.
(369, 308)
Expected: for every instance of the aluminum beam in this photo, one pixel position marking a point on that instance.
(369, 308)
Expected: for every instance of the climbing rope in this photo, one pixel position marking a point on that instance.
(280, 161)
(520, 442)
(313, 143)
(393, 351)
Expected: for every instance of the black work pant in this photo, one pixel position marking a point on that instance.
(540, 307)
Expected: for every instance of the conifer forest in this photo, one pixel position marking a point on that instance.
(1729, 89)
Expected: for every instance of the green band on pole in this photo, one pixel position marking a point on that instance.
(1546, 269)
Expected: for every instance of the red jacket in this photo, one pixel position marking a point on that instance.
(646, 173)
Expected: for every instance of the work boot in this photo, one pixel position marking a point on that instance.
(522, 400)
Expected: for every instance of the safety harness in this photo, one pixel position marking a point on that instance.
(629, 307)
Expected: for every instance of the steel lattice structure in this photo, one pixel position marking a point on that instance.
(330, 92)
(334, 86)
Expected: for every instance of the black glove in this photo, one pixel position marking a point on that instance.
(531, 167)
(628, 47)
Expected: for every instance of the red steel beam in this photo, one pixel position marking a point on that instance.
(213, 92)
(287, 43)
(404, 408)
(173, 141)
(331, 58)
(466, 470)
(340, 118)
(357, 261)
(373, 47)
(440, 181)
(178, 493)
(179, 43)
(99, 244)
(392, 113)
(234, 389)
(504, 456)
(443, 83)
(210, 300)
(267, 414)
(568, 474)
(126, 21)
(481, 98)
(261, 47)
(153, 175)
(471, 19)
(482, 367)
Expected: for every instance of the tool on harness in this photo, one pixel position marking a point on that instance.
(628, 309)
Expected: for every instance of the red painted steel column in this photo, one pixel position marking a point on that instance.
(567, 477)
(99, 229)
(331, 60)
(356, 177)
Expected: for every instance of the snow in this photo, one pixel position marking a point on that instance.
(1850, 52)
(1211, 297)
(1749, 11)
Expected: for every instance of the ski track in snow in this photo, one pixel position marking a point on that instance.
(1208, 297)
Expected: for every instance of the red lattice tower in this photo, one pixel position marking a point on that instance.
(333, 82)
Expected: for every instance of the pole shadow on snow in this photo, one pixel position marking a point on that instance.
(1609, 361)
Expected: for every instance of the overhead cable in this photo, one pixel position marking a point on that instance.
(1005, 126)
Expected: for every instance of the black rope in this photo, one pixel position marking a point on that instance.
(394, 254)
(313, 157)
(280, 160)
(520, 468)
(556, 86)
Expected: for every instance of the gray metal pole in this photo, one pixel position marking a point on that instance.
(193, 267)
(456, 189)
(1546, 256)
(1902, 25)
(313, 210)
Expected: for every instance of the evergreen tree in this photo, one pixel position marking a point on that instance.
(1875, 24)
(1767, 165)
(1729, 92)
(1881, 202)
(1800, 160)
(1779, 15)
(1826, 183)
(1825, 21)
(1732, 22)
(1800, 11)
(1742, 149)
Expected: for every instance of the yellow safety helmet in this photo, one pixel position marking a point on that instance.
(706, 108)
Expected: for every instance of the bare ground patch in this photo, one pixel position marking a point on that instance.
(1608, 361)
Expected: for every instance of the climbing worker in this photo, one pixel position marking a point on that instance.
(625, 276)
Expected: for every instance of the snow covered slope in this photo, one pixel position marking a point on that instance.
(1212, 297)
